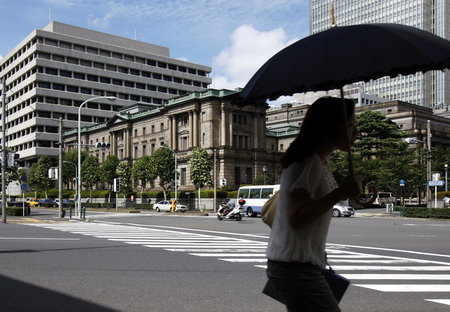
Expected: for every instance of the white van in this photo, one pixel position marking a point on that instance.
(255, 197)
(384, 198)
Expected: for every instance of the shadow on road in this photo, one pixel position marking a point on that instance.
(20, 296)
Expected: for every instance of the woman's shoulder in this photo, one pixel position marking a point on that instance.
(305, 165)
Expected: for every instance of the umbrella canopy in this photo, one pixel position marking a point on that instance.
(343, 55)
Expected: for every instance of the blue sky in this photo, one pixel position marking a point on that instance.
(234, 37)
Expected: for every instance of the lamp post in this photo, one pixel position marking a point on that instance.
(428, 159)
(175, 174)
(264, 174)
(76, 178)
(111, 98)
(446, 171)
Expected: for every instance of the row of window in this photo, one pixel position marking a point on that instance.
(96, 92)
(107, 80)
(120, 56)
(95, 51)
(119, 69)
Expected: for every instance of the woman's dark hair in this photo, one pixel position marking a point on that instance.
(318, 128)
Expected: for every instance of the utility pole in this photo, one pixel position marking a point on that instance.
(4, 155)
(60, 170)
(429, 175)
(215, 177)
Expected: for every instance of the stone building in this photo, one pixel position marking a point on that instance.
(208, 119)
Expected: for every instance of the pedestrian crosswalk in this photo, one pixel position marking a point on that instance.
(372, 271)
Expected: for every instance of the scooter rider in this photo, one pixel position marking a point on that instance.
(229, 206)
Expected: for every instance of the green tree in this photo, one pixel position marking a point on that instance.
(201, 165)
(70, 165)
(123, 172)
(165, 169)
(108, 172)
(90, 173)
(144, 172)
(38, 175)
(380, 154)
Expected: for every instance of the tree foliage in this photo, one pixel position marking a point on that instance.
(380, 154)
(201, 165)
(90, 173)
(108, 171)
(164, 161)
(123, 172)
(144, 172)
(38, 175)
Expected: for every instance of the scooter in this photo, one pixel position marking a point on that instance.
(234, 214)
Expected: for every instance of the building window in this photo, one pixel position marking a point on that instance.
(237, 175)
(248, 175)
(184, 143)
(183, 176)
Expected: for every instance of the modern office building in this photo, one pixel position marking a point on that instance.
(430, 89)
(55, 69)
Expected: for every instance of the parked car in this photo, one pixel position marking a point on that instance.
(47, 203)
(342, 208)
(33, 202)
(66, 202)
(166, 205)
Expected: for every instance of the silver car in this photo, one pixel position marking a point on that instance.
(343, 209)
(166, 205)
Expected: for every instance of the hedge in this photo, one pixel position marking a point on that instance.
(70, 194)
(420, 212)
(16, 211)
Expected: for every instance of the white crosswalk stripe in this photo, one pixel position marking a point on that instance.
(391, 272)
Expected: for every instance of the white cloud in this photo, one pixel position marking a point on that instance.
(248, 51)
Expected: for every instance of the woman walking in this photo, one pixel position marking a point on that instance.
(308, 191)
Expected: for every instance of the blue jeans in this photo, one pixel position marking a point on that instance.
(302, 286)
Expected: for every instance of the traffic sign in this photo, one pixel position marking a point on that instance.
(402, 182)
(436, 183)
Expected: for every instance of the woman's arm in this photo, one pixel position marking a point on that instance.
(302, 210)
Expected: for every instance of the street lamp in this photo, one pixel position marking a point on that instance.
(446, 170)
(175, 174)
(111, 98)
(76, 179)
(428, 159)
(264, 174)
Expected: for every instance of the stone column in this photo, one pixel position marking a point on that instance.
(174, 133)
(170, 131)
(223, 128)
(191, 129)
(195, 117)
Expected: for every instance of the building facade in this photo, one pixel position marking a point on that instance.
(284, 122)
(430, 89)
(55, 69)
(208, 119)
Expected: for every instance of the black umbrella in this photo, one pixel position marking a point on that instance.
(343, 55)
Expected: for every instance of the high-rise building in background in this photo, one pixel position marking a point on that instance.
(55, 69)
(431, 89)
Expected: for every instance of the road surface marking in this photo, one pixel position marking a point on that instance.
(406, 287)
(417, 277)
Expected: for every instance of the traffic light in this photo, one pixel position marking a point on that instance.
(12, 159)
(116, 185)
(102, 145)
(223, 182)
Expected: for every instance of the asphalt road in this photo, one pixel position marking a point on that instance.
(160, 262)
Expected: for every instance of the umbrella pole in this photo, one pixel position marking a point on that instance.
(349, 146)
(351, 168)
